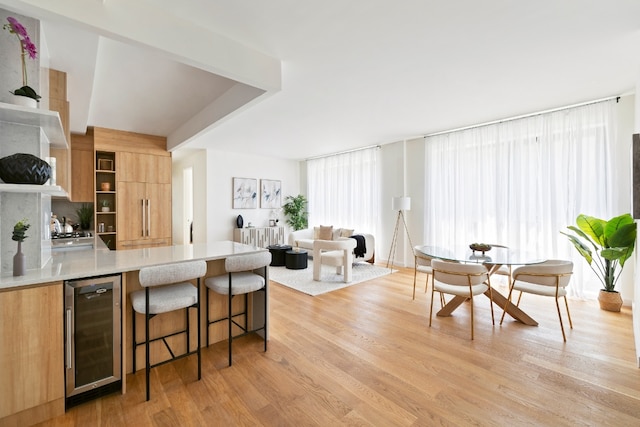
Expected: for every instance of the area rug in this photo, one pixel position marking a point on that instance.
(302, 280)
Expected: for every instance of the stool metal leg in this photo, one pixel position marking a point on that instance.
(199, 332)
(146, 336)
(230, 296)
(133, 338)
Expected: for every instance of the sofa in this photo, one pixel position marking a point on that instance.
(304, 239)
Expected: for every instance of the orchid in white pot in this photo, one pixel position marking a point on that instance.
(27, 48)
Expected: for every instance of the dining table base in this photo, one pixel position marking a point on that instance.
(498, 299)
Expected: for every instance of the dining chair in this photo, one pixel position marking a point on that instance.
(463, 280)
(241, 278)
(167, 288)
(422, 264)
(549, 278)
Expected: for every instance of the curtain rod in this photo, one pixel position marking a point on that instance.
(553, 110)
(342, 152)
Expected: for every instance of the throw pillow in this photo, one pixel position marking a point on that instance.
(316, 233)
(326, 232)
(346, 232)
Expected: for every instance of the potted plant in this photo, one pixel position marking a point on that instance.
(26, 48)
(294, 209)
(85, 215)
(105, 205)
(613, 242)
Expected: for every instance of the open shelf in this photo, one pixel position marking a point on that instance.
(49, 121)
(53, 190)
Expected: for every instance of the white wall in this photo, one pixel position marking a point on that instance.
(214, 218)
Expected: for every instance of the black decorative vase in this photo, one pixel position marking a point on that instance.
(21, 168)
(239, 221)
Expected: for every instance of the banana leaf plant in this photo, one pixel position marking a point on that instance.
(612, 241)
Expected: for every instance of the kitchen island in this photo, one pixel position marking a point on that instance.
(32, 327)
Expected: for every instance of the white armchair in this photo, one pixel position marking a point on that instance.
(337, 253)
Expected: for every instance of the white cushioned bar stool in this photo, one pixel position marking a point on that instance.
(167, 288)
(241, 279)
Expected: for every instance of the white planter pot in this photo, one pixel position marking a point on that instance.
(24, 101)
(105, 209)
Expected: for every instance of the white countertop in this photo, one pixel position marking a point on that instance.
(96, 262)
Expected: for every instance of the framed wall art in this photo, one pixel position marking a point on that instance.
(245, 193)
(270, 196)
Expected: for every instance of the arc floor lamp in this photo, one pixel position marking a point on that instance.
(399, 204)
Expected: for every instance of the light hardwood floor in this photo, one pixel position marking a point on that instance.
(365, 355)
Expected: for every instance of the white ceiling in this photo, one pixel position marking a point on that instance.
(354, 73)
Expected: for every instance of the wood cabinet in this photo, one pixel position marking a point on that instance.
(31, 355)
(141, 188)
(82, 160)
(147, 221)
(58, 102)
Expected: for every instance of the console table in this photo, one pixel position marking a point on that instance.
(259, 236)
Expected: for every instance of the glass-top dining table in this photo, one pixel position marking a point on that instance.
(493, 259)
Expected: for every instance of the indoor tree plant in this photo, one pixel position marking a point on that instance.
(27, 47)
(613, 242)
(294, 209)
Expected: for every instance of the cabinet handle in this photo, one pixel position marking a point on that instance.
(144, 221)
(68, 338)
(148, 217)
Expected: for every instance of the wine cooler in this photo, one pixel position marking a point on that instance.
(93, 352)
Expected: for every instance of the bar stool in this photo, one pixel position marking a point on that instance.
(240, 279)
(167, 288)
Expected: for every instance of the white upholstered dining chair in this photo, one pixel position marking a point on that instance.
(549, 278)
(464, 280)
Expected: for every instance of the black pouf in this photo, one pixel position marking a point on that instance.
(296, 260)
(21, 168)
(278, 254)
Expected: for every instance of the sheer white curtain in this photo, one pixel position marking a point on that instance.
(343, 190)
(522, 181)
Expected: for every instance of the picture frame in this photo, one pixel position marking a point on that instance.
(245, 193)
(105, 164)
(270, 194)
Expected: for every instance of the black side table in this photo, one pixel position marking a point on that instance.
(296, 260)
(278, 254)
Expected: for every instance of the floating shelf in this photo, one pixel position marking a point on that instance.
(48, 121)
(53, 190)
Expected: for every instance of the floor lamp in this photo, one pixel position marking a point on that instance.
(399, 204)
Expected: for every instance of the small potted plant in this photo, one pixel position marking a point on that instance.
(613, 242)
(294, 209)
(105, 205)
(85, 215)
(19, 234)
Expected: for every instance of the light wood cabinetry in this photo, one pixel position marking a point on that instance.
(58, 102)
(82, 160)
(141, 190)
(31, 355)
(259, 236)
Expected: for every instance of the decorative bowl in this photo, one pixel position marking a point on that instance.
(480, 247)
(22, 168)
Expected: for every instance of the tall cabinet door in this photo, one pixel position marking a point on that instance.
(133, 211)
(159, 211)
